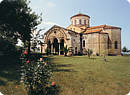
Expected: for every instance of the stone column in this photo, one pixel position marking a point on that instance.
(52, 48)
(59, 48)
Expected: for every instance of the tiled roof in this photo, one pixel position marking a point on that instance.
(103, 26)
(80, 15)
(93, 31)
(56, 26)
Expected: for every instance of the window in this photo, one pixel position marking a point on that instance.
(55, 32)
(84, 21)
(84, 43)
(75, 50)
(80, 21)
(75, 22)
(116, 45)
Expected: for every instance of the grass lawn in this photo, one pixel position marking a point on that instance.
(9, 78)
(79, 75)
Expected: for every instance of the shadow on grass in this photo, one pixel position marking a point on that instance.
(57, 68)
(53, 90)
(9, 71)
(2, 82)
(63, 70)
(63, 65)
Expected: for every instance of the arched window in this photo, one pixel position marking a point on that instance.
(116, 45)
(83, 43)
(80, 21)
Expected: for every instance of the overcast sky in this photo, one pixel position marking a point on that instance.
(110, 12)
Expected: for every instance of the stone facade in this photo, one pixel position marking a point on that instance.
(79, 37)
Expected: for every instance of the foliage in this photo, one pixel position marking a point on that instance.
(124, 49)
(17, 21)
(7, 48)
(89, 52)
(48, 51)
(9, 54)
(36, 40)
(65, 50)
(35, 75)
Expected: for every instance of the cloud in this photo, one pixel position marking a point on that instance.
(49, 23)
(128, 1)
(50, 4)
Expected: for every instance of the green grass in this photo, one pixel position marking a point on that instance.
(9, 78)
(79, 75)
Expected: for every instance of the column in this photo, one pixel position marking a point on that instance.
(59, 48)
(52, 48)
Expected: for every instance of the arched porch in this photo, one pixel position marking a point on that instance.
(56, 46)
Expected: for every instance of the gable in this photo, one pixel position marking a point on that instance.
(56, 32)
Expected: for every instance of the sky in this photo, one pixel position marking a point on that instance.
(110, 12)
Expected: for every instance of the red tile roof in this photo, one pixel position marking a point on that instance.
(93, 31)
(80, 15)
(103, 26)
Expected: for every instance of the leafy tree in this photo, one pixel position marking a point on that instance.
(89, 52)
(65, 50)
(36, 40)
(17, 21)
(48, 51)
(8, 53)
(124, 49)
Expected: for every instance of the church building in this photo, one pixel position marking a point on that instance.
(79, 36)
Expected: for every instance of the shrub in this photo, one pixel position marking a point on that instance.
(35, 75)
(48, 51)
(65, 51)
(89, 52)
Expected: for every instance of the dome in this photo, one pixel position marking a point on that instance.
(80, 20)
(77, 15)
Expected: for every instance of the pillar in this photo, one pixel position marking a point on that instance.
(52, 48)
(59, 48)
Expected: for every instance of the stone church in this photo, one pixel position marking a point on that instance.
(79, 36)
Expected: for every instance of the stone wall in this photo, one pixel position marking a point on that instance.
(71, 38)
(74, 28)
(114, 35)
(96, 42)
(84, 21)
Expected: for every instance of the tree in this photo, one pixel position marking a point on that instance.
(89, 52)
(124, 49)
(65, 50)
(17, 21)
(8, 52)
(48, 51)
(36, 40)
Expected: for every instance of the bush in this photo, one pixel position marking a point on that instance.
(48, 51)
(89, 52)
(8, 52)
(35, 75)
